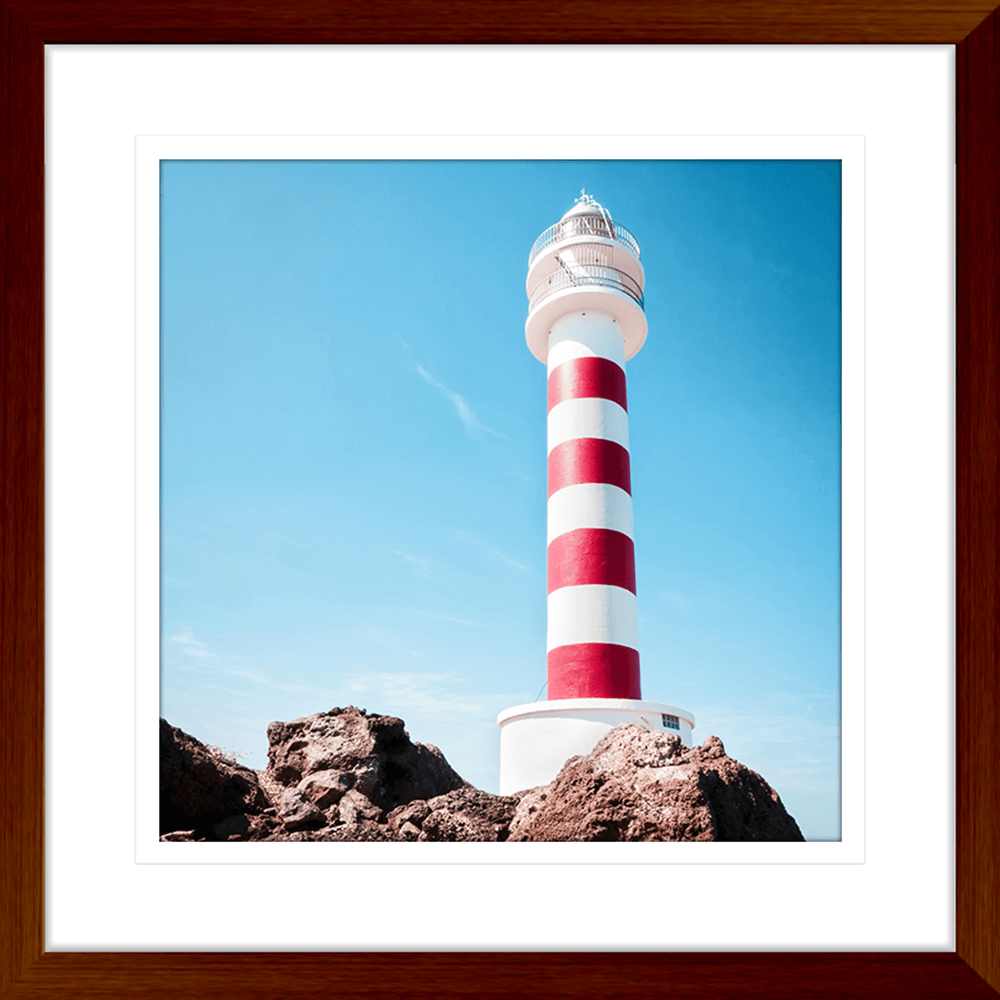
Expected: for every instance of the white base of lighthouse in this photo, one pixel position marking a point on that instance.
(537, 739)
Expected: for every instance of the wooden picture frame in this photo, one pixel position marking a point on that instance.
(26, 26)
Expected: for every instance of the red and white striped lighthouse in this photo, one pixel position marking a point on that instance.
(586, 318)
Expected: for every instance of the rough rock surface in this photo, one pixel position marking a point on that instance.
(331, 776)
(642, 785)
(202, 793)
(464, 814)
(344, 775)
(364, 765)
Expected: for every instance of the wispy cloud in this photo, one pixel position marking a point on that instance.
(773, 736)
(432, 696)
(466, 536)
(442, 706)
(230, 666)
(190, 646)
(417, 565)
(469, 420)
(280, 538)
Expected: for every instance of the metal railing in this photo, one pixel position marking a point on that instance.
(577, 275)
(583, 225)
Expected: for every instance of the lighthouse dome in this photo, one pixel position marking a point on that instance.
(585, 219)
(583, 208)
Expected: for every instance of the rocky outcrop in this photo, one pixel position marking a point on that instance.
(344, 775)
(352, 768)
(642, 785)
(203, 794)
(331, 776)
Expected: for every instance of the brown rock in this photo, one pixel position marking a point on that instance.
(412, 813)
(264, 826)
(364, 831)
(200, 787)
(296, 812)
(355, 807)
(642, 785)
(338, 740)
(325, 788)
(374, 753)
(178, 836)
(344, 775)
(468, 814)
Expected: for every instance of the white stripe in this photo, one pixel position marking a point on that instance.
(594, 335)
(592, 613)
(590, 417)
(589, 505)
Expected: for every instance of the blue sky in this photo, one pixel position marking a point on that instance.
(353, 450)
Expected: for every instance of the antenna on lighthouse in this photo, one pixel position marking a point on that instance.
(586, 317)
(591, 202)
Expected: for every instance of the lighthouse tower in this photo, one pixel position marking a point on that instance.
(586, 318)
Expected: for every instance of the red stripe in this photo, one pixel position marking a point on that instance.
(592, 555)
(589, 460)
(586, 378)
(593, 670)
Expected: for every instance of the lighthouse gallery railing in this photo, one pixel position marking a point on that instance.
(585, 225)
(575, 275)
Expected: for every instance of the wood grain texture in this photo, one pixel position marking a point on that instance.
(978, 499)
(25, 972)
(22, 388)
(702, 976)
(501, 21)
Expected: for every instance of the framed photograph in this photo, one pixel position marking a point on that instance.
(143, 963)
(443, 624)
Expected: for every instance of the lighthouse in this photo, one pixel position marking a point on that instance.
(586, 319)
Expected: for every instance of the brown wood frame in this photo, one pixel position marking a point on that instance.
(27, 971)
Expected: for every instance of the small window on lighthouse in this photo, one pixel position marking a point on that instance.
(671, 722)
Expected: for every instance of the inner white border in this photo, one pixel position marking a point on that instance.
(764, 904)
(150, 150)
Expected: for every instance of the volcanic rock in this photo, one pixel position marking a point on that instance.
(347, 776)
(179, 836)
(325, 788)
(231, 828)
(200, 789)
(356, 806)
(412, 814)
(296, 812)
(348, 749)
(642, 785)
(462, 815)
